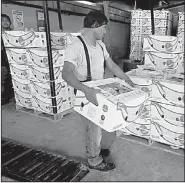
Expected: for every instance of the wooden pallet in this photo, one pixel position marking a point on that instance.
(133, 139)
(150, 143)
(52, 117)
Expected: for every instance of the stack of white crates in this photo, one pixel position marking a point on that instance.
(167, 104)
(164, 118)
(180, 28)
(28, 59)
(141, 28)
(180, 33)
(164, 53)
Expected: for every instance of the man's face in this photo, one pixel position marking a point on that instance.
(5, 23)
(100, 32)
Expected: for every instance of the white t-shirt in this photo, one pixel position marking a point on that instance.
(75, 54)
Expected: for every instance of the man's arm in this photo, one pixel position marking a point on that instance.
(116, 70)
(69, 76)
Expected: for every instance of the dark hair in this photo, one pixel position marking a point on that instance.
(95, 16)
(6, 16)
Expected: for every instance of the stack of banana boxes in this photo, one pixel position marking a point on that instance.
(28, 60)
(160, 77)
(141, 28)
(180, 31)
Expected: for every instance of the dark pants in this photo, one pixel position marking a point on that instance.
(6, 80)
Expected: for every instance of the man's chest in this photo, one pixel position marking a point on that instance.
(95, 55)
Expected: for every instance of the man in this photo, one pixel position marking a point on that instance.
(6, 83)
(6, 22)
(75, 71)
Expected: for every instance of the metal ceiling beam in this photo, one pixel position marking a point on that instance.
(170, 6)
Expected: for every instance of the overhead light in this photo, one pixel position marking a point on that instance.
(87, 2)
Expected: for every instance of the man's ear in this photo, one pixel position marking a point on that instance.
(95, 25)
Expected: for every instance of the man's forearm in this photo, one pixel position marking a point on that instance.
(116, 70)
(71, 79)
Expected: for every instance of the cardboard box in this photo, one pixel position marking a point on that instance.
(172, 114)
(118, 103)
(136, 37)
(138, 22)
(165, 44)
(162, 23)
(137, 14)
(24, 39)
(21, 84)
(23, 99)
(146, 72)
(167, 134)
(140, 127)
(136, 57)
(161, 14)
(45, 104)
(181, 24)
(147, 30)
(39, 57)
(168, 91)
(181, 15)
(70, 91)
(136, 45)
(16, 56)
(180, 33)
(136, 30)
(180, 68)
(21, 71)
(44, 89)
(158, 31)
(136, 54)
(144, 84)
(163, 61)
(42, 74)
(158, 14)
(58, 39)
(147, 22)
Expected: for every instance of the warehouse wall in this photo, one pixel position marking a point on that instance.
(119, 33)
(70, 23)
(175, 11)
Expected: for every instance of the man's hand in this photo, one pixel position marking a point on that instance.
(129, 81)
(90, 94)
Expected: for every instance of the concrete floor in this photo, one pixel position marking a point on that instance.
(134, 162)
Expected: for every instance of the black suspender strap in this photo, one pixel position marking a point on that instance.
(89, 78)
(104, 64)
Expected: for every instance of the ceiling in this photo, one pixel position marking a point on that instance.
(144, 4)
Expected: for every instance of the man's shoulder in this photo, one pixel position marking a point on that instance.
(76, 43)
(101, 43)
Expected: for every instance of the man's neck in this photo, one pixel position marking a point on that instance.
(89, 37)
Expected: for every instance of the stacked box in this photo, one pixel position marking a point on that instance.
(167, 112)
(164, 52)
(180, 34)
(164, 122)
(28, 59)
(180, 28)
(141, 28)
